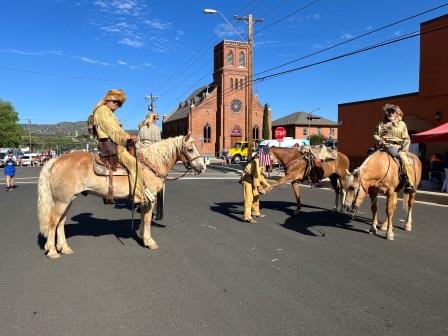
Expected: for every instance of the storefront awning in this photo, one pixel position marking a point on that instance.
(439, 133)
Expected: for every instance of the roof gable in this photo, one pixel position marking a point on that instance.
(302, 118)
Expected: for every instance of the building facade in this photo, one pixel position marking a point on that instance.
(423, 110)
(302, 125)
(217, 114)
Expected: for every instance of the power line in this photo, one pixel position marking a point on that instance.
(287, 16)
(354, 38)
(73, 76)
(375, 46)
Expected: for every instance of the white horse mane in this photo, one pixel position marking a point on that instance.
(162, 152)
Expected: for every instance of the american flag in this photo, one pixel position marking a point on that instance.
(265, 158)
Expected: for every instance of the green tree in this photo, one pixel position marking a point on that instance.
(316, 139)
(266, 130)
(10, 130)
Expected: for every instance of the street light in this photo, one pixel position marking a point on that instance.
(214, 11)
(309, 120)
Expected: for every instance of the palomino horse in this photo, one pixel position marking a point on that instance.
(298, 167)
(379, 173)
(62, 179)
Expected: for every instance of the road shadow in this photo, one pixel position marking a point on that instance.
(303, 222)
(87, 225)
(313, 223)
(229, 209)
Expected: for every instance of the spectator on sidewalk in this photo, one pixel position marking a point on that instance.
(10, 170)
(445, 166)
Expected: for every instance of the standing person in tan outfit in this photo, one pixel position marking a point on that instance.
(149, 132)
(392, 132)
(253, 182)
(112, 136)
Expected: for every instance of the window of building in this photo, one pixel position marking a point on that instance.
(319, 131)
(255, 132)
(207, 133)
(305, 131)
(241, 84)
(332, 132)
(242, 60)
(230, 57)
(231, 83)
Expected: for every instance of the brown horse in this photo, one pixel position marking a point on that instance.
(62, 179)
(379, 173)
(299, 167)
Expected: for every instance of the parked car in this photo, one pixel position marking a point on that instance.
(29, 159)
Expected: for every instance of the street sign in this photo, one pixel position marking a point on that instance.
(280, 133)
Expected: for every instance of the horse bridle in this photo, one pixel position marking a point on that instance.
(187, 165)
(353, 205)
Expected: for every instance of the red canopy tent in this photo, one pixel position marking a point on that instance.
(439, 133)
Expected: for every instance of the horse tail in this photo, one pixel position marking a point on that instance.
(45, 201)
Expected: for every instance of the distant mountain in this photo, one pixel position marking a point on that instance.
(63, 128)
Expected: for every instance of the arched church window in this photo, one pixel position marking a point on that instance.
(241, 84)
(207, 133)
(255, 133)
(231, 83)
(230, 57)
(242, 60)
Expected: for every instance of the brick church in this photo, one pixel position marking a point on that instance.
(216, 114)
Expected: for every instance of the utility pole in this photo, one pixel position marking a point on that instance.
(151, 106)
(250, 20)
(29, 129)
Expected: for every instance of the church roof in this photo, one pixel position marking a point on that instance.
(302, 118)
(196, 98)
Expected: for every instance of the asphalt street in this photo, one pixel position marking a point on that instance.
(313, 273)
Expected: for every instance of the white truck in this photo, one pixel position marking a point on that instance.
(288, 142)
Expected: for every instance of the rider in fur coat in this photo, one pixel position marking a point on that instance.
(392, 132)
(108, 128)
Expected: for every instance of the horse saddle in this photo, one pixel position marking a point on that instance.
(102, 167)
(323, 153)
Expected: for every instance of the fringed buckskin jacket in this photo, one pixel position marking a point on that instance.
(108, 126)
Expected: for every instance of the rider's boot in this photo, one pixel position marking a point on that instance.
(408, 185)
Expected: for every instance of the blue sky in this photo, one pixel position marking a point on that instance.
(58, 57)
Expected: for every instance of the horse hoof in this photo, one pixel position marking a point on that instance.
(372, 232)
(383, 227)
(297, 211)
(408, 227)
(390, 237)
(67, 250)
(153, 246)
(53, 255)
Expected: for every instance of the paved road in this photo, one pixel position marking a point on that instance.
(316, 273)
